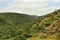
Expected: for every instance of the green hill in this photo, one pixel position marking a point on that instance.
(47, 28)
(15, 26)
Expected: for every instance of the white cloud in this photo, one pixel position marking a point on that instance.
(32, 7)
(1, 0)
(31, 0)
(56, 1)
(23, 6)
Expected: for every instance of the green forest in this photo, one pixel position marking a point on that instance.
(16, 26)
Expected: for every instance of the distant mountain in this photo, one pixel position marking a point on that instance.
(47, 28)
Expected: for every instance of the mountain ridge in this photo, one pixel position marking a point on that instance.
(16, 26)
(48, 28)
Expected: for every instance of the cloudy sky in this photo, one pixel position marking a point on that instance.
(32, 7)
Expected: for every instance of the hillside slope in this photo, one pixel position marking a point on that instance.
(48, 28)
(15, 25)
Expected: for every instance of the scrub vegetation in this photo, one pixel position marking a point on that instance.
(15, 26)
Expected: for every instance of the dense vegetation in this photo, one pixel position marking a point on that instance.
(48, 28)
(15, 26)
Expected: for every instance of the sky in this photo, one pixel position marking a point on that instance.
(31, 7)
